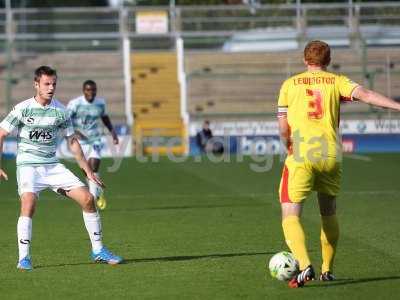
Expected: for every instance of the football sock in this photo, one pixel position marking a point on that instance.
(24, 233)
(93, 227)
(295, 239)
(329, 239)
(94, 188)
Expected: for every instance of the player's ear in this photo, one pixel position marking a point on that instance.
(36, 84)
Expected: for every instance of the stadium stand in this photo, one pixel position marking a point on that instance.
(85, 43)
(156, 100)
(221, 84)
(73, 68)
(248, 83)
(155, 87)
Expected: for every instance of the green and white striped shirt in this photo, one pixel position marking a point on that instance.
(39, 128)
(85, 117)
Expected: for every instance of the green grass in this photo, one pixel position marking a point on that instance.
(203, 231)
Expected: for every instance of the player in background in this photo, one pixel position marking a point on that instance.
(308, 114)
(85, 112)
(39, 122)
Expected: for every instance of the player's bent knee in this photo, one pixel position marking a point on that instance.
(88, 203)
(84, 198)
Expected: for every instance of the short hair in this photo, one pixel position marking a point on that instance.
(317, 53)
(88, 82)
(44, 70)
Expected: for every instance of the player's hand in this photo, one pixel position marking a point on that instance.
(80, 135)
(289, 146)
(3, 175)
(91, 176)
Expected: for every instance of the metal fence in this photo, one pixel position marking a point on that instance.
(101, 28)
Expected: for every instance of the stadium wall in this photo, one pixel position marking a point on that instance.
(249, 138)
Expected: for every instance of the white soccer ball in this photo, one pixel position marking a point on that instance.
(283, 266)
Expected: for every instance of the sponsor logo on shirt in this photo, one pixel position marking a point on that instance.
(40, 134)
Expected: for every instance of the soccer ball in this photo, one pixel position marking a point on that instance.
(283, 266)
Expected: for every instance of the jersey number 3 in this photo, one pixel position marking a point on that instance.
(316, 104)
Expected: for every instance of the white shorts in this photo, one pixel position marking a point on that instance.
(33, 179)
(91, 150)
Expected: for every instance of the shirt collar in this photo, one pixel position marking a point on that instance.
(38, 105)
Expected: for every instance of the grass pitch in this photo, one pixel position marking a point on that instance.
(203, 230)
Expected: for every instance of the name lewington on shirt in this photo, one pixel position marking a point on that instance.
(314, 80)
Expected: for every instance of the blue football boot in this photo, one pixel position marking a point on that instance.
(105, 256)
(25, 264)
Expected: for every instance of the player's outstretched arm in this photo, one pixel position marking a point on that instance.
(76, 150)
(107, 122)
(3, 135)
(374, 98)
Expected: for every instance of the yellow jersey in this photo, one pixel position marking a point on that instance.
(311, 103)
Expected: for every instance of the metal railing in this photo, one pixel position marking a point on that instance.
(102, 25)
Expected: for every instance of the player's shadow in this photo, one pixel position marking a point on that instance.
(184, 207)
(346, 281)
(61, 265)
(165, 259)
(194, 257)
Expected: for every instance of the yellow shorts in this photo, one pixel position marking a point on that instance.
(300, 178)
